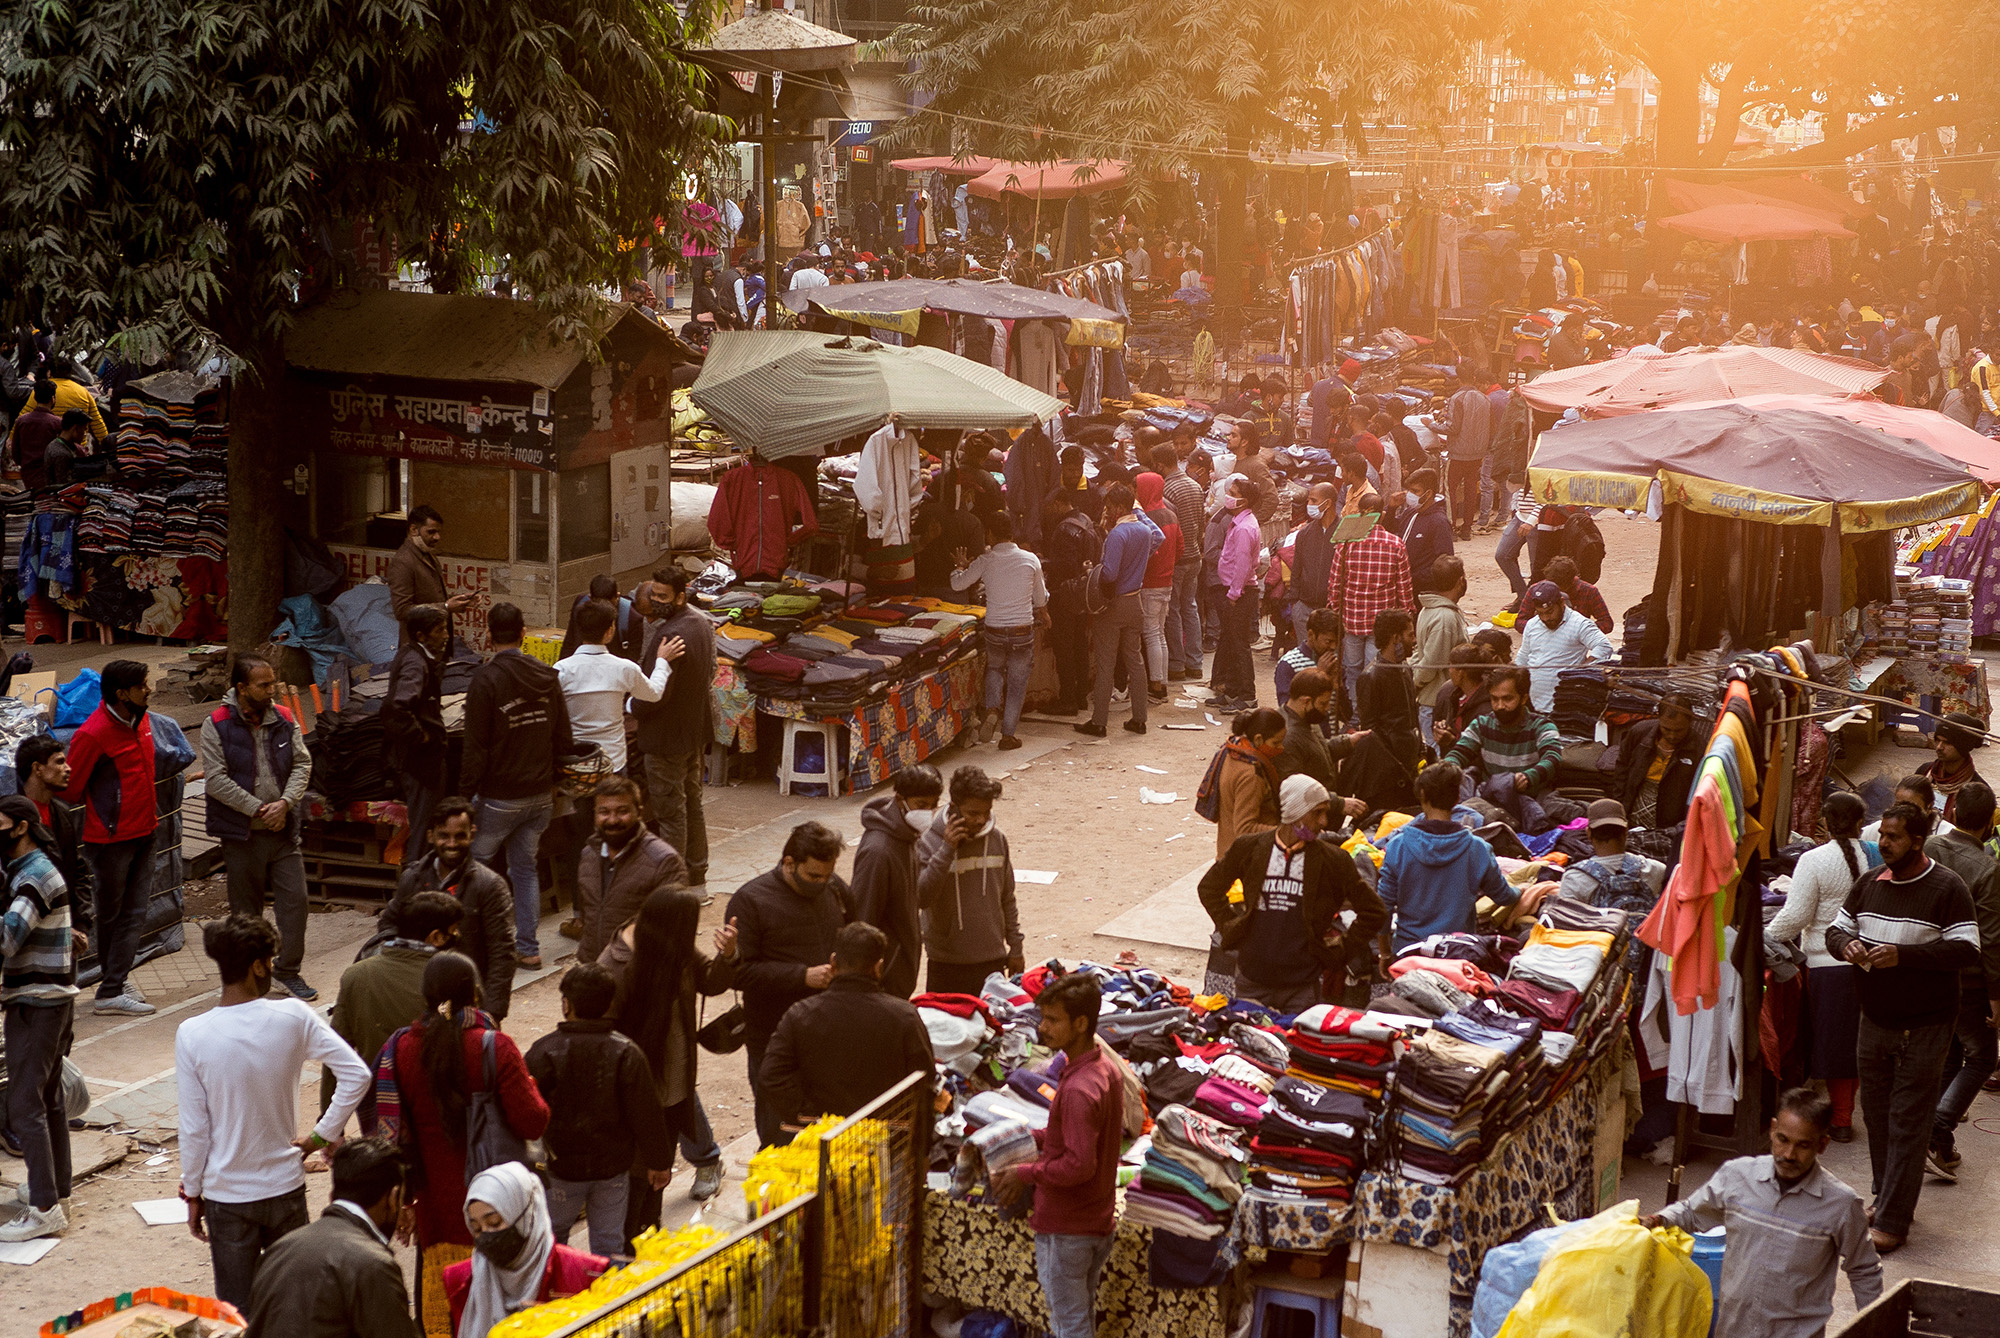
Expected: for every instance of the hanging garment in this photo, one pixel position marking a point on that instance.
(1037, 357)
(1701, 1051)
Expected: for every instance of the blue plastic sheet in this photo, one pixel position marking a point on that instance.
(308, 625)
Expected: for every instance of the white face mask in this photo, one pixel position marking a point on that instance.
(1314, 510)
(919, 819)
(1410, 499)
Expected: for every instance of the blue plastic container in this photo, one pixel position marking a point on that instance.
(1708, 1248)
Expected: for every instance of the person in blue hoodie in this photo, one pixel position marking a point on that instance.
(1434, 871)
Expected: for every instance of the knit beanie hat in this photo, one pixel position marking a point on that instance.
(1298, 796)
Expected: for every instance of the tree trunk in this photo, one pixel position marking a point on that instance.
(1678, 142)
(262, 457)
(1232, 263)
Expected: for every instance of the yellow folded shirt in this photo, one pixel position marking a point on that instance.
(1568, 938)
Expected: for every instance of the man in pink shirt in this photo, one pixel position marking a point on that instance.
(1076, 1177)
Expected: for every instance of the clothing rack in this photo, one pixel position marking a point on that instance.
(1355, 245)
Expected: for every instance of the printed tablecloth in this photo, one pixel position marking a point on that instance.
(909, 722)
(987, 1262)
(1960, 687)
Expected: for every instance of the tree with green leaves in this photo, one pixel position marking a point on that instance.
(1875, 73)
(180, 174)
(1169, 85)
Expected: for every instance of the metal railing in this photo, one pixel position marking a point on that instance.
(840, 1262)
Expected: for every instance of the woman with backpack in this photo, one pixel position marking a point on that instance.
(428, 1074)
(1239, 793)
(1821, 881)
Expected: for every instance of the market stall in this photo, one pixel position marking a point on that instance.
(548, 465)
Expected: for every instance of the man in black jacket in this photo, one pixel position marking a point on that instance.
(604, 1115)
(517, 736)
(1294, 888)
(885, 870)
(840, 1049)
(1658, 763)
(785, 925)
(413, 735)
(487, 933)
(338, 1277)
(674, 732)
(1071, 545)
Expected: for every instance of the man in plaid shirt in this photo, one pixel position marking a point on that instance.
(1369, 575)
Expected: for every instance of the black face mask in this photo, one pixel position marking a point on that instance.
(503, 1247)
(1314, 717)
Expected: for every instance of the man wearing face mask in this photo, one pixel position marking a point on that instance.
(338, 1277)
(380, 994)
(1294, 888)
(1427, 532)
(786, 920)
(965, 887)
(885, 870)
(1312, 558)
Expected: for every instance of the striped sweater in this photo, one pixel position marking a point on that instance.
(1928, 917)
(1493, 749)
(36, 961)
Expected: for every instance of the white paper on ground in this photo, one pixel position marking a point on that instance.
(1151, 771)
(1196, 728)
(1034, 875)
(29, 1251)
(1175, 837)
(1205, 716)
(1147, 796)
(162, 1212)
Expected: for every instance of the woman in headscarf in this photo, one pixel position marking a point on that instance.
(659, 970)
(423, 1085)
(516, 1262)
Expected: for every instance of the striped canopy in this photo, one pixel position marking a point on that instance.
(786, 392)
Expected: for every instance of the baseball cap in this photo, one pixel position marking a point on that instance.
(1543, 592)
(1606, 813)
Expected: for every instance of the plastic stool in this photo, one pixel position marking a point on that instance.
(76, 620)
(1323, 1311)
(818, 764)
(43, 622)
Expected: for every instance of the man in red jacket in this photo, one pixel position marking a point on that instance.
(111, 775)
(1076, 1176)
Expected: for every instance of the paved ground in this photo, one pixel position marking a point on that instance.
(1072, 807)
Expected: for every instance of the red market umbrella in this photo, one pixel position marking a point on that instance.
(1050, 181)
(1641, 381)
(1947, 436)
(950, 166)
(1755, 223)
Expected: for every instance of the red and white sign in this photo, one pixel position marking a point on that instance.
(461, 576)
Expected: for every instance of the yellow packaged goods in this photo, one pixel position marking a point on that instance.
(657, 1252)
(1391, 822)
(1358, 845)
(1613, 1276)
(780, 1174)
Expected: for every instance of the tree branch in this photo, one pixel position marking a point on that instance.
(1728, 116)
(1836, 149)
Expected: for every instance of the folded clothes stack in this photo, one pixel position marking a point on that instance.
(1192, 1176)
(1310, 1142)
(1561, 959)
(1445, 1090)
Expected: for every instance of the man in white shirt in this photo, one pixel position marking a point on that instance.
(1555, 639)
(239, 1067)
(596, 683)
(809, 276)
(1017, 601)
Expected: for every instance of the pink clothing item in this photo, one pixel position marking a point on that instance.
(1238, 563)
(1464, 975)
(1683, 925)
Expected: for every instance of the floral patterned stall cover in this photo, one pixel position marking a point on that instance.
(987, 1262)
(912, 720)
(1959, 687)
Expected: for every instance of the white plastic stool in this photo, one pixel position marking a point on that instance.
(830, 769)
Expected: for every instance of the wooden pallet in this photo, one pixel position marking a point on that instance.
(340, 879)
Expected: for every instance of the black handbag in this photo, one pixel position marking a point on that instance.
(489, 1139)
(726, 1035)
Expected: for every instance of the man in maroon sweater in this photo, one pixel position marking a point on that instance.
(1076, 1177)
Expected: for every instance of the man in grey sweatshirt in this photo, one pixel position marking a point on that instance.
(965, 888)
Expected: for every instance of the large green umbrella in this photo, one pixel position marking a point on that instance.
(785, 392)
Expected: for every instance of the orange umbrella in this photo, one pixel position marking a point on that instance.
(1754, 223)
(1051, 181)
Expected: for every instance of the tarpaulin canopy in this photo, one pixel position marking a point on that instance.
(1755, 223)
(1797, 192)
(950, 166)
(786, 392)
(1947, 436)
(1050, 181)
(896, 304)
(1778, 466)
(1640, 381)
